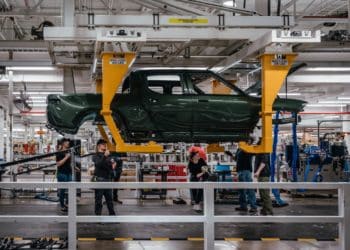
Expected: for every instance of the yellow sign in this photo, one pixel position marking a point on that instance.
(189, 20)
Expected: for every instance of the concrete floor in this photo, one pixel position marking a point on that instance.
(219, 245)
(178, 231)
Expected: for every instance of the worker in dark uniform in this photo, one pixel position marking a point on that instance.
(64, 171)
(199, 172)
(104, 167)
(244, 170)
(262, 172)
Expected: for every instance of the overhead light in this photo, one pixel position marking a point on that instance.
(34, 114)
(39, 104)
(18, 130)
(230, 3)
(335, 102)
(290, 94)
(332, 69)
(24, 68)
(343, 97)
(38, 97)
(39, 93)
(253, 94)
(332, 117)
(326, 105)
(39, 101)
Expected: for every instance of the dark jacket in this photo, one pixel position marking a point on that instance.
(263, 158)
(196, 168)
(243, 160)
(103, 166)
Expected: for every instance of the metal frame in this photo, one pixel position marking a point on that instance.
(208, 218)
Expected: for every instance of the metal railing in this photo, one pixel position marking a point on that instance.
(208, 218)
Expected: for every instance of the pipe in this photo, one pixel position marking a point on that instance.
(278, 7)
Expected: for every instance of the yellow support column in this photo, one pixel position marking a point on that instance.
(274, 71)
(114, 68)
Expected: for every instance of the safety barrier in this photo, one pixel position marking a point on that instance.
(208, 218)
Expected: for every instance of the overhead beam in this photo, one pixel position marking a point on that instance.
(170, 34)
(255, 22)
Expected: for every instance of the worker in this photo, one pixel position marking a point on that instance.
(104, 167)
(64, 171)
(244, 170)
(262, 173)
(199, 172)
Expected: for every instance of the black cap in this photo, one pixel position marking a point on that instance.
(101, 141)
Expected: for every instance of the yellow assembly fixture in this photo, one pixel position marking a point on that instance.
(115, 66)
(274, 69)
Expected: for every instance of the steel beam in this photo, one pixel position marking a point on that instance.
(22, 45)
(2, 134)
(174, 34)
(255, 22)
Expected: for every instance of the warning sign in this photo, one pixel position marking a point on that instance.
(188, 20)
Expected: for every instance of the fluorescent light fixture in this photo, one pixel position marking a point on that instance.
(39, 93)
(332, 69)
(335, 102)
(326, 105)
(18, 130)
(34, 114)
(24, 68)
(332, 117)
(38, 97)
(253, 94)
(39, 104)
(290, 94)
(343, 97)
(38, 101)
(230, 3)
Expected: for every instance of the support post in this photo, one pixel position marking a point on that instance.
(72, 217)
(209, 226)
(344, 211)
(9, 156)
(115, 66)
(68, 9)
(2, 134)
(274, 70)
(68, 81)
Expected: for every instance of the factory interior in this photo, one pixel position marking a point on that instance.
(175, 124)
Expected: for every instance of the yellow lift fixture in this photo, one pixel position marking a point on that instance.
(275, 68)
(114, 68)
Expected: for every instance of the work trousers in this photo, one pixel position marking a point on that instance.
(246, 196)
(196, 194)
(62, 193)
(108, 194)
(265, 196)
